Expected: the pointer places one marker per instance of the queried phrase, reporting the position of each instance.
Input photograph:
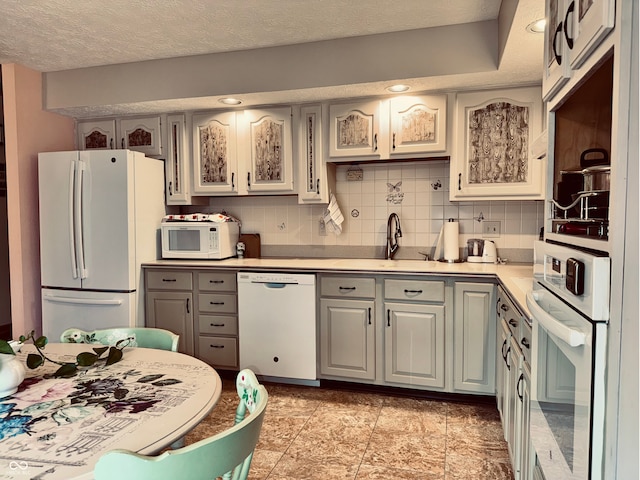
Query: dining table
(58, 428)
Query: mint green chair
(227, 454)
(138, 337)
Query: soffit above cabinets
(124, 57)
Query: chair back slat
(145, 337)
(227, 454)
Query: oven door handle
(568, 335)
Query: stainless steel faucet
(392, 239)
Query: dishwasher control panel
(266, 277)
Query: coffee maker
(481, 251)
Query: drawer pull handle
(216, 303)
(216, 346)
(169, 279)
(369, 315)
(412, 291)
(388, 317)
(525, 343)
(216, 324)
(349, 289)
(188, 307)
(216, 281)
(513, 323)
(506, 358)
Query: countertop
(516, 278)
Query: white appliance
(569, 305)
(277, 324)
(100, 215)
(199, 239)
(481, 251)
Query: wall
(28, 131)
(417, 192)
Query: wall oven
(569, 305)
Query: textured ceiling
(54, 35)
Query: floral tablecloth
(58, 428)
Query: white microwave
(207, 240)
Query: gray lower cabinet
(414, 332)
(347, 327)
(414, 342)
(217, 319)
(514, 381)
(474, 340)
(169, 304)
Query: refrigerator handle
(79, 215)
(83, 301)
(72, 243)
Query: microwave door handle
(568, 335)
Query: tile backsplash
(418, 192)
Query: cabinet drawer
(217, 303)
(168, 280)
(218, 324)
(217, 282)
(418, 290)
(218, 351)
(350, 287)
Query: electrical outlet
(490, 229)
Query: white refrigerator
(100, 214)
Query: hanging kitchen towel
(333, 217)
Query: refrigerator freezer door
(108, 220)
(62, 309)
(56, 177)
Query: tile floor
(319, 433)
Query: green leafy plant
(67, 369)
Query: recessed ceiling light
(537, 26)
(398, 88)
(230, 101)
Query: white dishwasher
(277, 324)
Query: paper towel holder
(439, 250)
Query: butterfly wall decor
(394, 193)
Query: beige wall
(28, 131)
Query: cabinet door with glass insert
(267, 147)
(215, 154)
(141, 134)
(418, 124)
